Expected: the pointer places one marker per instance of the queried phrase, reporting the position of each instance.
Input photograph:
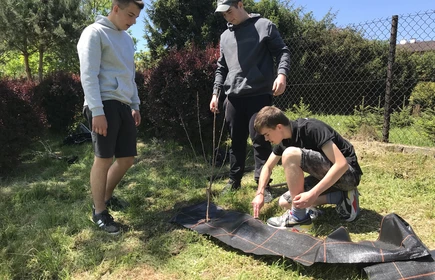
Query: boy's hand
(136, 117)
(304, 200)
(214, 104)
(279, 85)
(99, 125)
(257, 204)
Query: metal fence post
(391, 57)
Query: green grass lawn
(46, 230)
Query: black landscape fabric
(396, 248)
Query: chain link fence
(363, 79)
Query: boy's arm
(89, 51)
(220, 76)
(279, 49)
(282, 53)
(338, 168)
(221, 72)
(266, 171)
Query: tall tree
(92, 8)
(39, 26)
(58, 27)
(17, 19)
(177, 23)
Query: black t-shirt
(313, 134)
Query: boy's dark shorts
(121, 132)
(317, 165)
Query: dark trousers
(240, 114)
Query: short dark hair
(270, 117)
(124, 3)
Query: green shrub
(300, 110)
(426, 123)
(366, 118)
(423, 95)
(402, 117)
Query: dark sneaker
(116, 204)
(231, 186)
(348, 209)
(288, 221)
(105, 221)
(267, 195)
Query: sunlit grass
(46, 230)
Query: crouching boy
(311, 146)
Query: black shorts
(121, 131)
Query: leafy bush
(61, 97)
(426, 123)
(176, 94)
(20, 122)
(366, 120)
(402, 117)
(423, 95)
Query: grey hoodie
(107, 67)
(245, 66)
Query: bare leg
(98, 181)
(286, 205)
(294, 174)
(116, 171)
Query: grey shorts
(121, 131)
(317, 165)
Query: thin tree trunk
(27, 66)
(41, 63)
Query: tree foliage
(93, 8)
(176, 24)
(41, 26)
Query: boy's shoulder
(304, 121)
(310, 124)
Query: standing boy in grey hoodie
(245, 73)
(106, 53)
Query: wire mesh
(340, 75)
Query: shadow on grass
(55, 196)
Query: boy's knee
(126, 162)
(292, 154)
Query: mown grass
(46, 231)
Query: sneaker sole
(100, 228)
(301, 228)
(354, 206)
(295, 228)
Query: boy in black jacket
(246, 74)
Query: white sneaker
(288, 221)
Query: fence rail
(363, 78)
